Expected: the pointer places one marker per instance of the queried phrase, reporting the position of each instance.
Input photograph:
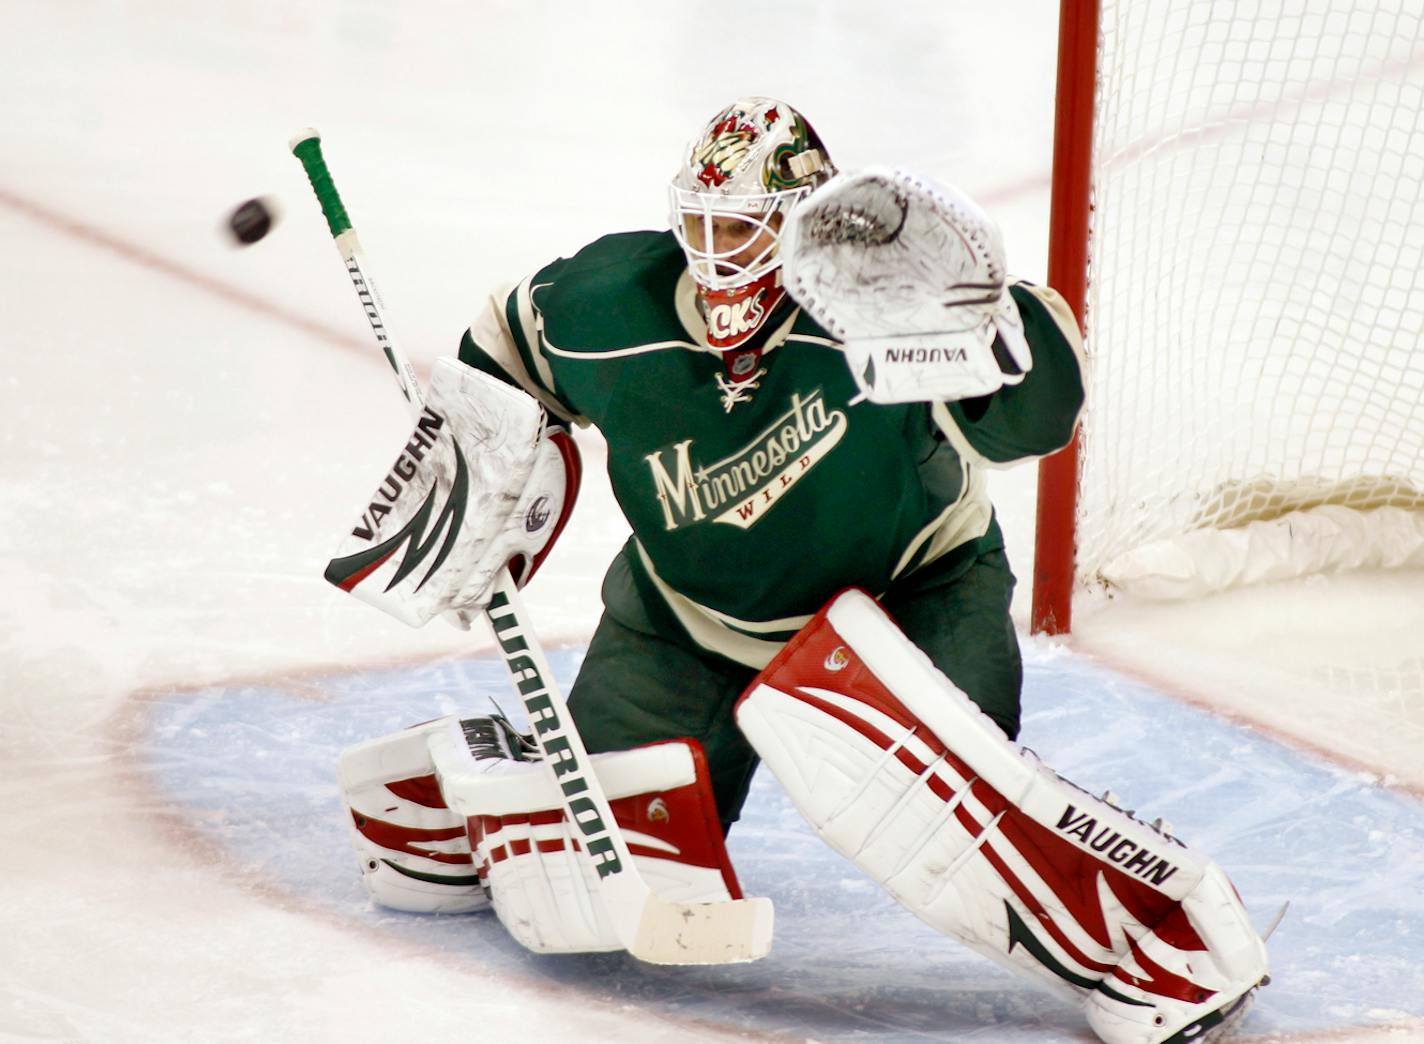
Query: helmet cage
(694, 214)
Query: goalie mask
(738, 180)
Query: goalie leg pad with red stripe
(900, 772)
(543, 887)
(454, 816)
(413, 850)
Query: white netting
(1255, 307)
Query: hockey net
(1254, 308)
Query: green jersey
(752, 503)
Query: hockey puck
(251, 221)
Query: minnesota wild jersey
(753, 501)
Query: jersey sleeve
(506, 341)
(1037, 416)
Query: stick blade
(730, 932)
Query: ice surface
(188, 426)
(249, 769)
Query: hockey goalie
(800, 384)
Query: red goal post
(1068, 274)
(1238, 223)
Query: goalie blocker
(898, 771)
(481, 483)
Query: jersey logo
(742, 364)
(739, 490)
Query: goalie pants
(643, 681)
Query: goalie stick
(651, 928)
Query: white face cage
(730, 241)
